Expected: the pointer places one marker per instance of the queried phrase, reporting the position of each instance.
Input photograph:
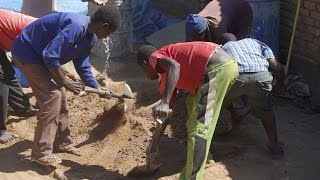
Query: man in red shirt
(207, 72)
(11, 24)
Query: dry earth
(113, 143)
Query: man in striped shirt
(255, 59)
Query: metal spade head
(126, 91)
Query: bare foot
(7, 137)
(71, 150)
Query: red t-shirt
(192, 57)
(11, 25)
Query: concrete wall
(306, 50)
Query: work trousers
(10, 91)
(203, 113)
(52, 130)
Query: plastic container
(265, 25)
(22, 79)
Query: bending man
(39, 51)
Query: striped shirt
(251, 55)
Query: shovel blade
(128, 93)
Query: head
(195, 28)
(143, 56)
(105, 21)
(226, 37)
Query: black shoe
(27, 113)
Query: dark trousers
(10, 91)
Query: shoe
(47, 160)
(27, 113)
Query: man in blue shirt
(255, 59)
(39, 51)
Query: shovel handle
(102, 92)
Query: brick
(316, 41)
(300, 43)
(304, 36)
(313, 30)
(307, 40)
(306, 52)
(309, 5)
(307, 21)
(316, 1)
(316, 23)
(314, 48)
(315, 14)
(303, 12)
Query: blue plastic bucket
(265, 25)
(22, 79)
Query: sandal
(7, 137)
(70, 150)
(47, 160)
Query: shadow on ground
(16, 159)
(106, 123)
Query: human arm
(278, 71)
(274, 66)
(68, 74)
(60, 45)
(173, 73)
(83, 68)
(60, 79)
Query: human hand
(106, 93)
(73, 86)
(162, 110)
(68, 74)
(71, 76)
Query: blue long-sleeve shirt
(56, 39)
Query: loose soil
(113, 143)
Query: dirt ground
(113, 143)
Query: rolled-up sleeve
(60, 45)
(83, 68)
(266, 51)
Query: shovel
(125, 98)
(152, 164)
